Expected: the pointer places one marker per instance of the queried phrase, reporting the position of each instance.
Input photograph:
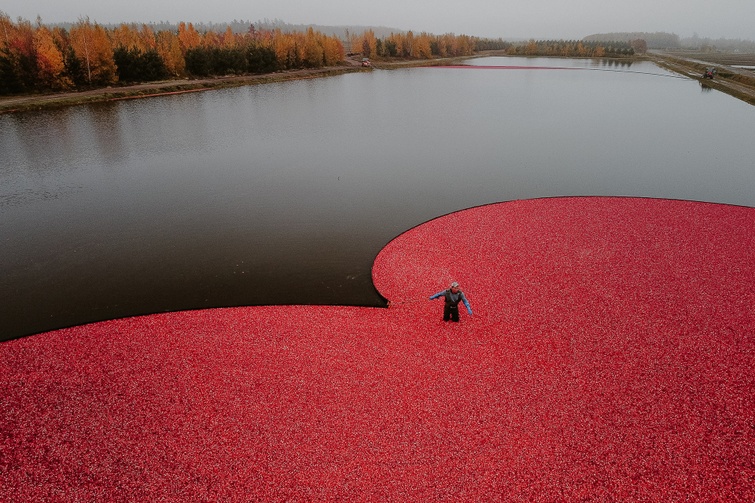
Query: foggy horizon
(514, 19)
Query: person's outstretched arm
(466, 303)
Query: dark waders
(451, 312)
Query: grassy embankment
(738, 83)
(144, 90)
(735, 82)
(732, 81)
(21, 103)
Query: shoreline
(54, 100)
(735, 82)
(23, 103)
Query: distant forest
(578, 48)
(663, 40)
(38, 58)
(35, 57)
(242, 26)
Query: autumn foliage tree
(40, 58)
(18, 59)
(168, 47)
(94, 50)
(572, 48)
(51, 68)
(188, 37)
(136, 55)
(409, 45)
(37, 57)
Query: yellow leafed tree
(210, 39)
(229, 39)
(147, 36)
(50, 62)
(313, 51)
(422, 48)
(124, 36)
(333, 51)
(188, 37)
(169, 49)
(94, 50)
(367, 44)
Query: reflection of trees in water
(705, 87)
(620, 63)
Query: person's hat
(454, 285)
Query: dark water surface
(285, 193)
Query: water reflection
(106, 132)
(284, 193)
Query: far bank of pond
(736, 82)
(9, 104)
(731, 80)
(284, 193)
(162, 88)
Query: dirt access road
(351, 64)
(737, 82)
(161, 88)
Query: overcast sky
(568, 19)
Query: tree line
(664, 40)
(577, 48)
(657, 40)
(419, 46)
(34, 57)
(39, 58)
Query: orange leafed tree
(94, 50)
(6, 28)
(125, 36)
(130, 37)
(313, 51)
(211, 39)
(366, 43)
(333, 51)
(288, 49)
(422, 48)
(148, 38)
(188, 37)
(169, 49)
(229, 39)
(408, 44)
(19, 51)
(50, 62)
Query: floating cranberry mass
(611, 357)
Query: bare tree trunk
(86, 52)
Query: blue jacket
(453, 299)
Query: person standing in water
(452, 297)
